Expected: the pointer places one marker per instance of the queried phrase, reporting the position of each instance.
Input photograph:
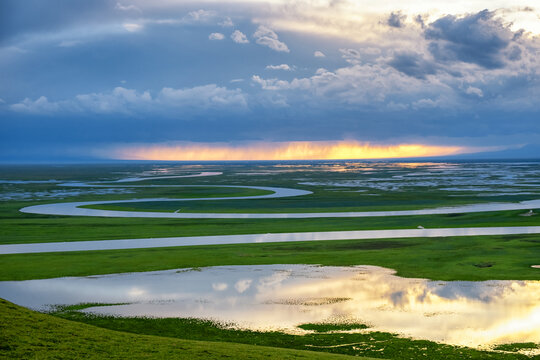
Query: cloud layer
(129, 101)
(276, 71)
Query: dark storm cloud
(478, 39)
(413, 64)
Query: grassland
(26, 334)
(451, 258)
(16, 227)
(324, 198)
(325, 339)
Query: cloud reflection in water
(270, 297)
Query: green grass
(25, 334)
(16, 227)
(451, 258)
(372, 344)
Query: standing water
(281, 297)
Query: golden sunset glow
(297, 150)
(359, 21)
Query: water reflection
(284, 296)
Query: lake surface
(281, 297)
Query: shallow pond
(280, 297)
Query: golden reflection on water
(461, 313)
(281, 297)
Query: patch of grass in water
(321, 328)
(368, 344)
(81, 306)
(311, 301)
(189, 270)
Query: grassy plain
(401, 193)
(26, 334)
(324, 198)
(385, 187)
(16, 227)
(503, 257)
(450, 258)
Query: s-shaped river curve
(74, 209)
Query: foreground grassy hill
(26, 334)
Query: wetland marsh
(283, 297)
(274, 290)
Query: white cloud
(374, 82)
(227, 22)
(239, 37)
(130, 101)
(474, 91)
(236, 80)
(279, 67)
(205, 96)
(352, 56)
(367, 84)
(39, 106)
(276, 84)
(216, 36)
(132, 27)
(319, 54)
(267, 37)
(425, 103)
(201, 15)
(127, 7)
(119, 100)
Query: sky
(250, 80)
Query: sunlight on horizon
(296, 150)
